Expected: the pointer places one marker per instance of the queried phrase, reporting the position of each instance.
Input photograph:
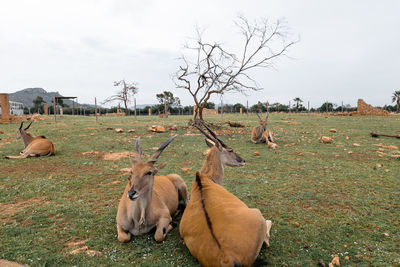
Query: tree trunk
(198, 113)
(165, 110)
(126, 108)
(195, 112)
(398, 104)
(201, 113)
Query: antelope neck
(213, 167)
(26, 138)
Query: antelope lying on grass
(34, 146)
(260, 134)
(149, 201)
(217, 227)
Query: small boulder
(325, 139)
(157, 129)
(272, 145)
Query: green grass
(321, 199)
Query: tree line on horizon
(167, 101)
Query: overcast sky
(348, 49)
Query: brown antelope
(260, 134)
(33, 146)
(217, 227)
(149, 201)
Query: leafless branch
(215, 70)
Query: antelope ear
(161, 166)
(132, 160)
(209, 142)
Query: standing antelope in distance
(260, 134)
(149, 201)
(33, 146)
(217, 227)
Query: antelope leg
(163, 228)
(267, 236)
(123, 236)
(17, 157)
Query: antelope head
(23, 132)
(142, 173)
(263, 122)
(226, 154)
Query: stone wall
(365, 109)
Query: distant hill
(26, 96)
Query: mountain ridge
(27, 95)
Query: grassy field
(323, 199)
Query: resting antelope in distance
(33, 146)
(217, 227)
(149, 201)
(260, 134)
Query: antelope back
(225, 234)
(41, 147)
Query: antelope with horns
(260, 134)
(217, 227)
(149, 201)
(33, 146)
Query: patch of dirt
(125, 170)
(292, 122)
(82, 248)
(93, 152)
(6, 263)
(108, 155)
(7, 210)
(76, 243)
(23, 167)
(116, 155)
(391, 147)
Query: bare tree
(214, 70)
(124, 95)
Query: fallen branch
(235, 124)
(375, 134)
(202, 122)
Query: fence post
(95, 108)
(135, 106)
(54, 108)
